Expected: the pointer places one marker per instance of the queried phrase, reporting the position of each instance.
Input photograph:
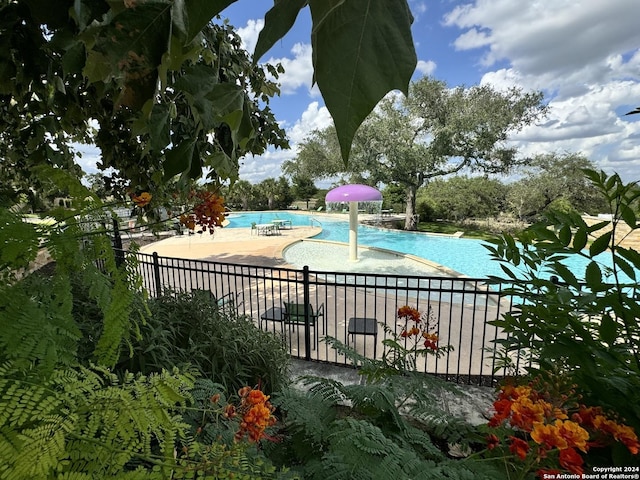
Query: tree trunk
(410, 221)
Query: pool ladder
(315, 220)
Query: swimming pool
(466, 256)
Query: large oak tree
(432, 132)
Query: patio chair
(294, 314)
(230, 302)
(227, 303)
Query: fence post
(117, 244)
(307, 301)
(156, 274)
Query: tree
(393, 197)
(550, 178)
(241, 194)
(460, 197)
(172, 93)
(303, 188)
(433, 132)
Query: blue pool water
(466, 256)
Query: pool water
(466, 256)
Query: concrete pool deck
(242, 246)
(232, 245)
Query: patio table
(266, 228)
(363, 326)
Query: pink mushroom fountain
(353, 194)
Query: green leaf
(159, 127)
(579, 239)
(200, 12)
(97, 67)
(600, 244)
(221, 164)
(353, 43)
(74, 59)
(564, 235)
(225, 99)
(628, 216)
(565, 274)
(631, 255)
(625, 267)
(593, 276)
(198, 81)
(277, 22)
(178, 159)
(597, 226)
(608, 330)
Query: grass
(450, 228)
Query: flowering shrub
(418, 337)
(544, 426)
(208, 211)
(254, 412)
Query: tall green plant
(581, 324)
(189, 329)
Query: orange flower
(574, 434)
(518, 447)
(571, 460)
(257, 414)
(409, 313)
(503, 410)
(142, 200)
(524, 413)
(622, 433)
(549, 436)
(256, 396)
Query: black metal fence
(359, 309)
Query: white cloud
(426, 67)
(583, 54)
(249, 34)
(298, 71)
(269, 165)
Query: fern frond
(306, 413)
(37, 329)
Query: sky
(583, 54)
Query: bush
(189, 329)
(580, 327)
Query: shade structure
(353, 194)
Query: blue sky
(583, 54)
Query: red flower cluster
(257, 414)
(544, 426)
(421, 330)
(208, 212)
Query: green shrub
(189, 329)
(580, 325)
(390, 425)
